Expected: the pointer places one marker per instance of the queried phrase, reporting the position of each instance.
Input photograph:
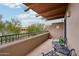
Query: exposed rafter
(55, 16)
(49, 10)
(55, 11)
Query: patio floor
(45, 47)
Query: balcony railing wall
(23, 46)
(10, 38)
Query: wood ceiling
(49, 10)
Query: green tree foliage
(13, 26)
(2, 26)
(35, 28)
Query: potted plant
(61, 41)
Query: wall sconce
(68, 13)
(57, 27)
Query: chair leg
(72, 52)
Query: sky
(16, 11)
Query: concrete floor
(45, 47)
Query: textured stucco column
(72, 16)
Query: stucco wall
(73, 26)
(56, 33)
(24, 46)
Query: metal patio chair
(59, 51)
(63, 50)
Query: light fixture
(57, 27)
(68, 13)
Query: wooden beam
(55, 11)
(44, 7)
(56, 16)
(26, 9)
(27, 4)
(49, 10)
(30, 5)
(53, 7)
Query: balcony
(28, 44)
(23, 46)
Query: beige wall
(73, 26)
(56, 33)
(22, 47)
